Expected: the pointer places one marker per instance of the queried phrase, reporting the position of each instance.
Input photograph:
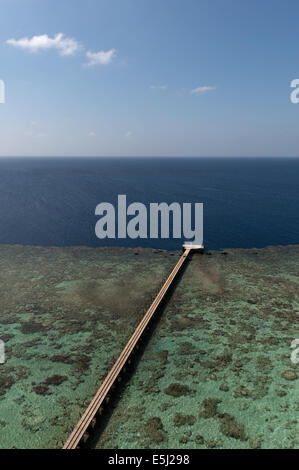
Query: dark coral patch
(178, 390)
(181, 420)
(6, 381)
(32, 327)
(41, 389)
(154, 430)
(231, 428)
(209, 407)
(55, 380)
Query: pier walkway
(95, 407)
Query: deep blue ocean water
(248, 202)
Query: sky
(149, 77)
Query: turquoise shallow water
(217, 371)
(215, 374)
(65, 314)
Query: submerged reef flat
(217, 371)
(65, 315)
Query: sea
(248, 202)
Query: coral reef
(228, 329)
(66, 314)
(216, 372)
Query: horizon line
(149, 156)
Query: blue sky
(149, 77)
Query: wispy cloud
(35, 131)
(92, 134)
(35, 134)
(100, 58)
(66, 46)
(128, 134)
(201, 90)
(159, 87)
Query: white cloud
(65, 46)
(100, 58)
(159, 87)
(92, 134)
(128, 134)
(201, 89)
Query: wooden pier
(97, 402)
